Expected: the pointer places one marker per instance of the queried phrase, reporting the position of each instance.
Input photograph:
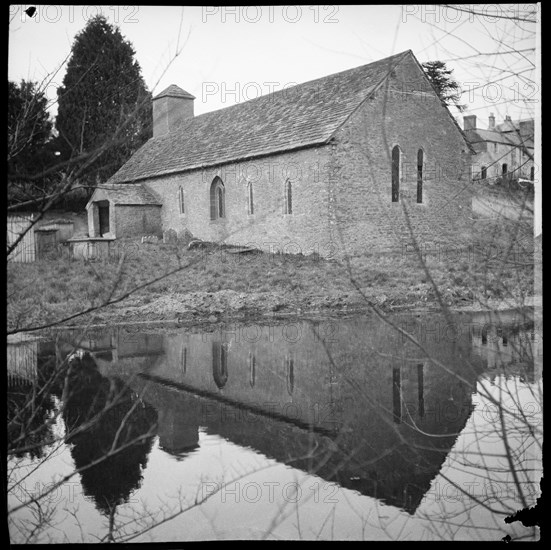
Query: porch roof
(124, 194)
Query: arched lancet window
(288, 197)
(181, 200)
(183, 360)
(420, 161)
(397, 395)
(250, 198)
(252, 370)
(504, 169)
(420, 390)
(395, 173)
(219, 364)
(484, 336)
(217, 199)
(483, 173)
(290, 374)
(532, 174)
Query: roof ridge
(290, 88)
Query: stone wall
(136, 220)
(269, 227)
(407, 113)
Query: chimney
(469, 122)
(526, 128)
(171, 108)
(491, 122)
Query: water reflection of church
(355, 403)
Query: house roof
(127, 194)
(515, 125)
(299, 116)
(507, 138)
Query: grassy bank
(214, 283)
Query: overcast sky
(230, 55)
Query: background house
(505, 150)
(366, 159)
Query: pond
(412, 427)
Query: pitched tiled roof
(131, 193)
(299, 116)
(507, 138)
(515, 125)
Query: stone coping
(84, 239)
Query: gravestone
(170, 236)
(150, 239)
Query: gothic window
(220, 364)
(288, 197)
(217, 199)
(420, 161)
(290, 374)
(250, 198)
(395, 173)
(181, 200)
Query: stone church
(364, 160)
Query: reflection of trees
(438, 439)
(106, 421)
(31, 409)
(29, 428)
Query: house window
(420, 176)
(532, 174)
(217, 199)
(483, 173)
(504, 169)
(250, 197)
(395, 173)
(288, 197)
(181, 200)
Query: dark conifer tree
(104, 111)
(446, 86)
